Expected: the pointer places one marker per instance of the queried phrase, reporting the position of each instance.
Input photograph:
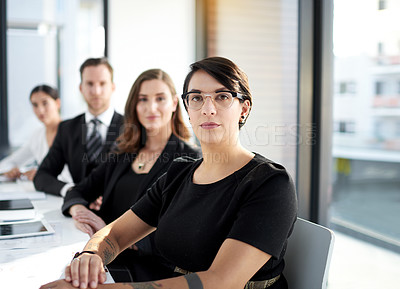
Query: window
(366, 140)
(380, 48)
(348, 87)
(344, 127)
(60, 34)
(381, 4)
(397, 129)
(379, 88)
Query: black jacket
(69, 147)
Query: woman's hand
(84, 227)
(96, 205)
(58, 284)
(86, 266)
(85, 220)
(79, 271)
(30, 174)
(13, 173)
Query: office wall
(150, 34)
(262, 38)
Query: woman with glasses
(23, 162)
(222, 221)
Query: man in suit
(82, 142)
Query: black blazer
(69, 147)
(102, 180)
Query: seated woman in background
(154, 134)
(222, 221)
(24, 161)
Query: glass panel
(47, 40)
(366, 136)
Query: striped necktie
(94, 143)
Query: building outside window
(379, 88)
(366, 151)
(344, 127)
(347, 87)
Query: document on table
(20, 190)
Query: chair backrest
(308, 256)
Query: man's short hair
(95, 62)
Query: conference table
(32, 261)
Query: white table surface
(30, 262)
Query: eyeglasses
(221, 99)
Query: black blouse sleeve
(267, 214)
(88, 190)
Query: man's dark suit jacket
(69, 147)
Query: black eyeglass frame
(234, 94)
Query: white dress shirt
(105, 121)
(30, 155)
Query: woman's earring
(242, 118)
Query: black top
(257, 205)
(123, 194)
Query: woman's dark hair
(133, 137)
(50, 91)
(225, 72)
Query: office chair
(308, 256)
